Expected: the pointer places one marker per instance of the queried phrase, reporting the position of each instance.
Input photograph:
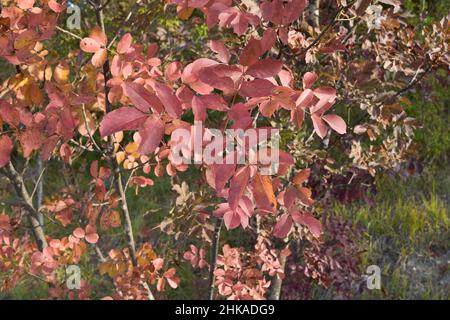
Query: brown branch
(27, 202)
(118, 182)
(327, 28)
(277, 282)
(213, 261)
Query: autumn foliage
(104, 116)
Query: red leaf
(48, 146)
(151, 134)
(6, 147)
(283, 226)
(265, 68)
(141, 98)
(169, 100)
(309, 221)
(257, 88)
(336, 123)
(268, 40)
(289, 197)
(251, 53)
(218, 175)
(222, 52)
(30, 140)
(199, 109)
(122, 119)
(237, 187)
(191, 75)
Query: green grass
(407, 236)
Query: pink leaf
(173, 71)
(191, 75)
(336, 123)
(79, 233)
(121, 119)
(169, 100)
(199, 109)
(309, 221)
(214, 102)
(232, 220)
(319, 126)
(257, 88)
(305, 98)
(222, 52)
(92, 238)
(268, 40)
(266, 68)
(308, 79)
(56, 7)
(91, 235)
(141, 98)
(151, 135)
(124, 44)
(237, 187)
(173, 282)
(25, 4)
(283, 226)
(90, 45)
(325, 93)
(99, 58)
(251, 53)
(98, 35)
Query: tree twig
(213, 261)
(22, 192)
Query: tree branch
(213, 261)
(327, 28)
(118, 182)
(27, 202)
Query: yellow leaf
(120, 157)
(185, 13)
(132, 148)
(62, 72)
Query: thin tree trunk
(27, 202)
(314, 13)
(123, 198)
(277, 283)
(40, 190)
(214, 252)
(116, 168)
